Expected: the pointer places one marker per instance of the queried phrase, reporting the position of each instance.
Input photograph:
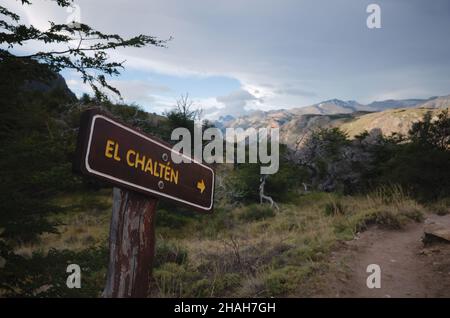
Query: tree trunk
(131, 244)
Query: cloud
(139, 91)
(293, 91)
(241, 97)
(293, 54)
(237, 102)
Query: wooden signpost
(142, 170)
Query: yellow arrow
(201, 186)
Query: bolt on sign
(119, 154)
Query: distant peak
(339, 102)
(226, 117)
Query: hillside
(389, 116)
(388, 121)
(438, 102)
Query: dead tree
(305, 186)
(263, 197)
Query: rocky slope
(389, 116)
(388, 121)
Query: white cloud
(139, 91)
(286, 55)
(238, 102)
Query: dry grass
(246, 251)
(278, 255)
(84, 224)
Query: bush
(220, 221)
(167, 252)
(256, 212)
(391, 217)
(334, 208)
(169, 280)
(441, 207)
(286, 280)
(220, 285)
(44, 275)
(170, 219)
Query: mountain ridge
(338, 106)
(388, 116)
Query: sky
(235, 56)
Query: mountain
(389, 116)
(392, 103)
(224, 121)
(226, 118)
(296, 129)
(279, 117)
(56, 82)
(332, 106)
(292, 126)
(388, 121)
(437, 102)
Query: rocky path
(408, 268)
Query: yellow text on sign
(134, 159)
(112, 150)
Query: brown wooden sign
(114, 152)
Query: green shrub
(390, 217)
(411, 213)
(222, 284)
(170, 219)
(335, 208)
(89, 203)
(441, 207)
(387, 218)
(44, 275)
(168, 280)
(202, 288)
(168, 252)
(220, 221)
(286, 280)
(256, 212)
(225, 284)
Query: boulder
(436, 233)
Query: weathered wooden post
(131, 244)
(143, 169)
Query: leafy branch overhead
(75, 46)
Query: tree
(39, 119)
(85, 49)
(337, 163)
(421, 165)
(184, 114)
(38, 126)
(433, 133)
(321, 154)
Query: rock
(436, 233)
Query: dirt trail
(408, 269)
